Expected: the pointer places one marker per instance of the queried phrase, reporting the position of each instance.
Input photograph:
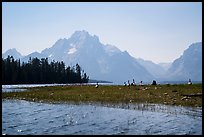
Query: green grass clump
(160, 94)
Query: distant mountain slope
(33, 55)
(165, 66)
(12, 52)
(156, 70)
(188, 65)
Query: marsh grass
(160, 94)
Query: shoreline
(175, 95)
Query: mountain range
(107, 62)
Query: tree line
(40, 71)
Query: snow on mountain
(104, 62)
(107, 62)
(72, 50)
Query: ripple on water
(22, 117)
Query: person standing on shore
(96, 85)
(128, 83)
(141, 84)
(189, 82)
(154, 82)
(133, 82)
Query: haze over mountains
(107, 62)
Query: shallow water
(21, 87)
(23, 117)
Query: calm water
(21, 87)
(23, 117)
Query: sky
(156, 31)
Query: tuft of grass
(160, 94)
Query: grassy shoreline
(182, 94)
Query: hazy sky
(150, 30)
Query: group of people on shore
(128, 83)
(140, 84)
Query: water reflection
(12, 89)
(21, 87)
(23, 117)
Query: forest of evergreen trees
(37, 71)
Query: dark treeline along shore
(37, 71)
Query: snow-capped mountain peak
(107, 62)
(100, 61)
